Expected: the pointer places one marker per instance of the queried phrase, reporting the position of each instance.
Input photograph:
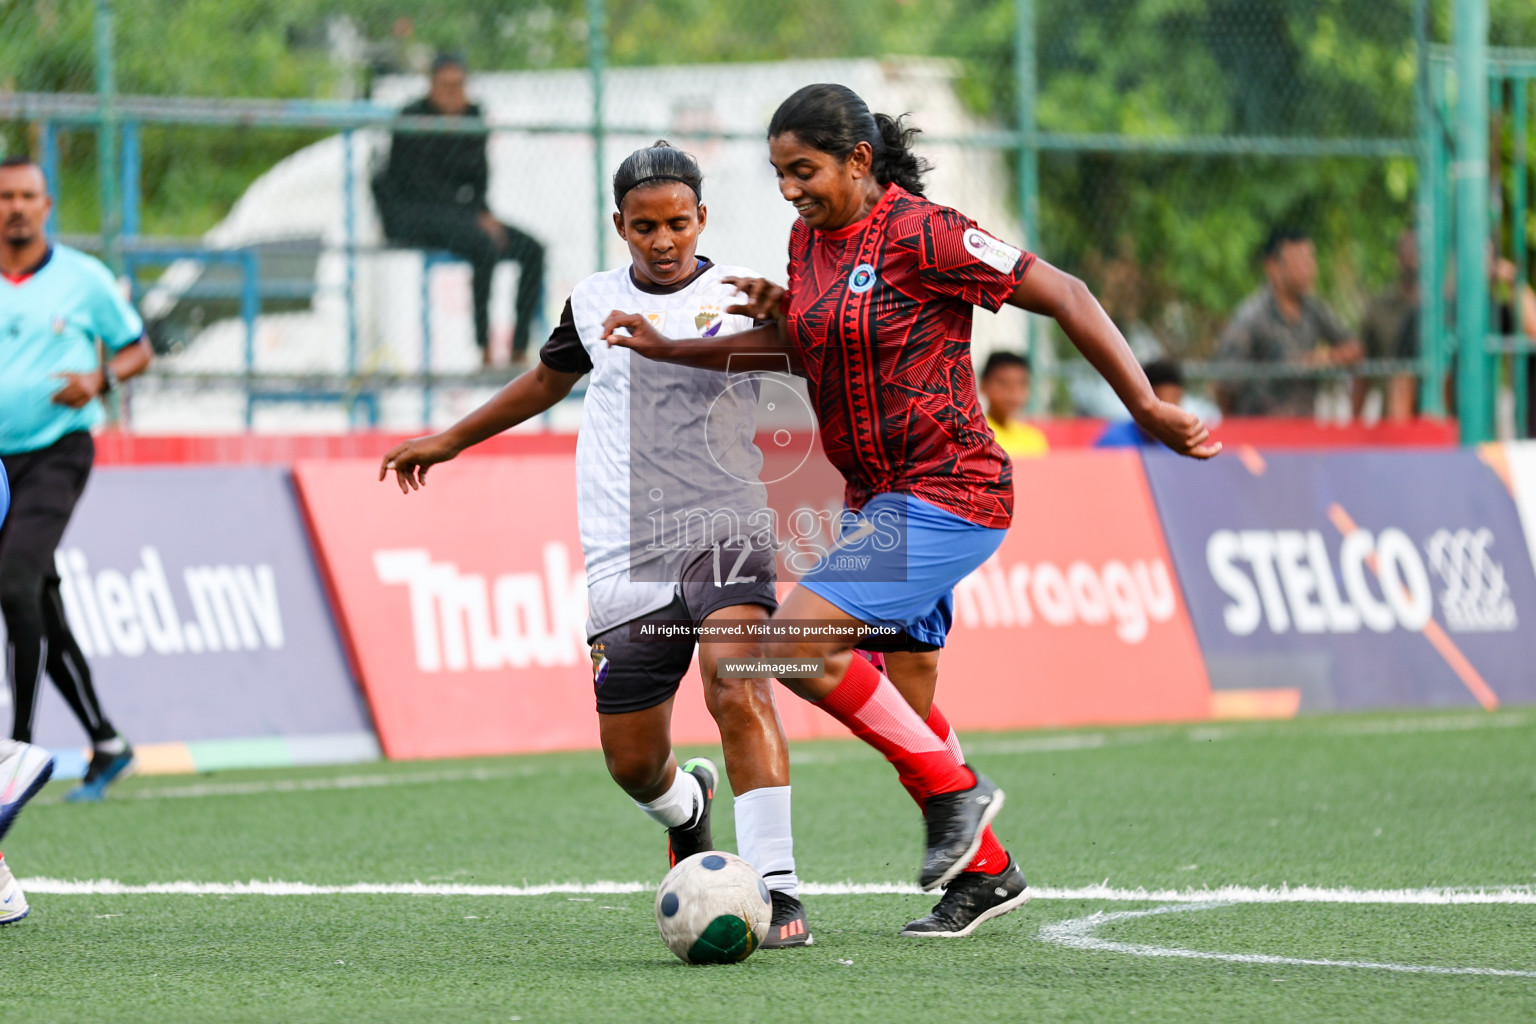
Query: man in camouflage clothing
(1283, 323)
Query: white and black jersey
(665, 461)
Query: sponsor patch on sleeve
(998, 255)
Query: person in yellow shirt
(1004, 389)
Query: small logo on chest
(862, 279)
(708, 321)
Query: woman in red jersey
(877, 316)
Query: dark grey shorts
(631, 673)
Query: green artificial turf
(1401, 801)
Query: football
(713, 908)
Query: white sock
(678, 805)
(114, 746)
(764, 837)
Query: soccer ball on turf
(712, 908)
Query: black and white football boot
(683, 841)
(955, 823)
(970, 899)
(788, 926)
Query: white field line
(1194, 897)
(1380, 727)
(359, 781)
(1078, 934)
(1022, 745)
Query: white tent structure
(367, 310)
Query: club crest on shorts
(862, 279)
(708, 321)
(599, 664)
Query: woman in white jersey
(672, 526)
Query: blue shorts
(909, 581)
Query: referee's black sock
(26, 653)
(70, 671)
(23, 694)
(39, 640)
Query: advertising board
(193, 595)
(1355, 579)
(464, 604)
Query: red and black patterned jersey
(879, 313)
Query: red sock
(990, 856)
(875, 658)
(875, 711)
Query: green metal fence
(1477, 290)
(1512, 79)
(1146, 146)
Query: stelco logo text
(1291, 579)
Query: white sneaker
(13, 904)
(24, 768)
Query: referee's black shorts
(633, 673)
(45, 485)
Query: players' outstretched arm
(762, 348)
(1053, 293)
(524, 398)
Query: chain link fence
(221, 154)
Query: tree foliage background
(1168, 239)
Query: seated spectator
(432, 195)
(1386, 319)
(1004, 394)
(1282, 324)
(1167, 380)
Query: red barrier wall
(1302, 433)
(1079, 618)
(1281, 433)
(464, 608)
(114, 448)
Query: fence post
(1431, 312)
(1474, 398)
(1444, 243)
(132, 178)
(1518, 202)
(48, 159)
(106, 155)
(1029, 179)
(250, 309)
(349, 230)
(597, 59)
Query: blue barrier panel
(1358, 579)
(195, 597)
(1521, 456)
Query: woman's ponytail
(894, 159)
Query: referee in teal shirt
(56, 306)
